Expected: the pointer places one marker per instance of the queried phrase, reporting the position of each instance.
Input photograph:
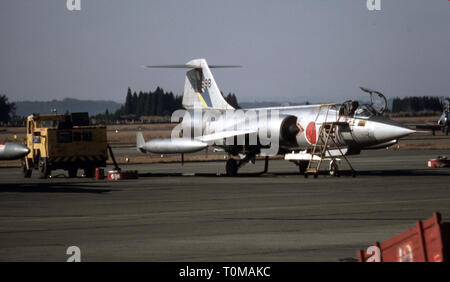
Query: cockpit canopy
(365, 111)
(377, 106)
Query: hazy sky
(290, 50)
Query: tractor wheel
(44, 170)
(25, 171)
(89, 172)
(72, 172)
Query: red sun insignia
(311, 133)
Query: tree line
(156, 103)
(152, 103)
(416, 104)
(137, 104)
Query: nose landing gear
(333, 168)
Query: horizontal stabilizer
(189, 66)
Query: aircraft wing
(224, 134)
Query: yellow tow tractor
(64, 141)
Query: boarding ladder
(321, 148)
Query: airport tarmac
(193, 213)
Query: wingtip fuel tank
(169, 146)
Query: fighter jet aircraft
(301, 133)
(12, 151)
(442, 124)
(444, 120)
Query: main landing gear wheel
(44, 171)
(231, 167)
(302, 166)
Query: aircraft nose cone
(384, 131)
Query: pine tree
(128, 107)
(134, 103)
(232, 100)
(7, 109)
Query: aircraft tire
(72, 172)
(302, 166)
(44, 171)
(26, 172)
(231, 167)
(89, 172)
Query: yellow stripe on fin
(202, 100)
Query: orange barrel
(99, 173)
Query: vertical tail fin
(200, 88)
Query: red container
(114, 175)
(117, 175)
(439, 162)
(428, 241)
(99, 173)
(433, 163)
